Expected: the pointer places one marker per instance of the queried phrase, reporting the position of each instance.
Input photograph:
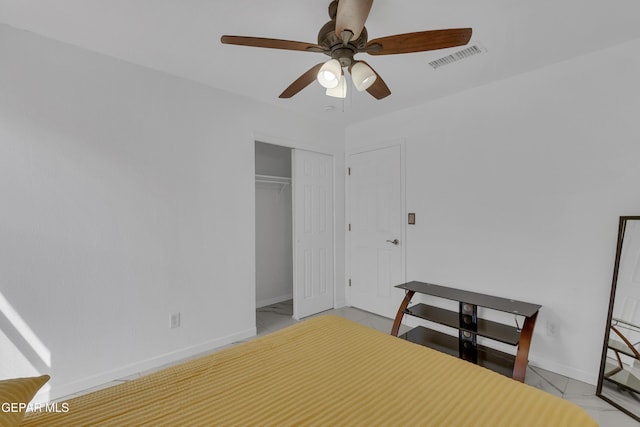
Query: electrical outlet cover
(175, 320)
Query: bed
(326, 371)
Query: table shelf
(488, 357)
(486, 328)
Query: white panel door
(313, 233)
(376, 236)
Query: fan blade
(419, 42)
(303, 81)
(271, 43)
(379, 88)
(351, 16)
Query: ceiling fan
(345, 36)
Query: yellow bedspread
(326, 371)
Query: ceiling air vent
(456, 56)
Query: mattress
(326, 371)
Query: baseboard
(57, 392)
(274, 300)
(567, 371)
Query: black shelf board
(486, 328)
(489, 358)
(496, 303)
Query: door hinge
(349, 282)
(349, 227)
(349, 171)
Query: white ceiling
(182, 37)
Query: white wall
(518, 186)
(273, 160)
(274, 244)
(126, 195)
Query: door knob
(394, 241)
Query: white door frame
(292, 144)
(403, 201)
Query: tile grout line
(548, 381)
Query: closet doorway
(274, 228)
(294, 230)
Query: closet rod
(273, 179)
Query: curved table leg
(522, 356)
(403, 306)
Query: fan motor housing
(334, 46)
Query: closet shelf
(269, 179)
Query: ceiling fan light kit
(329, 74)
(345, 36)
(340, 91)
(362, 75)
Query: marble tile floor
(277, 316)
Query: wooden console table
(469, 327)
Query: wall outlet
(175, 320)
(551, 329)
